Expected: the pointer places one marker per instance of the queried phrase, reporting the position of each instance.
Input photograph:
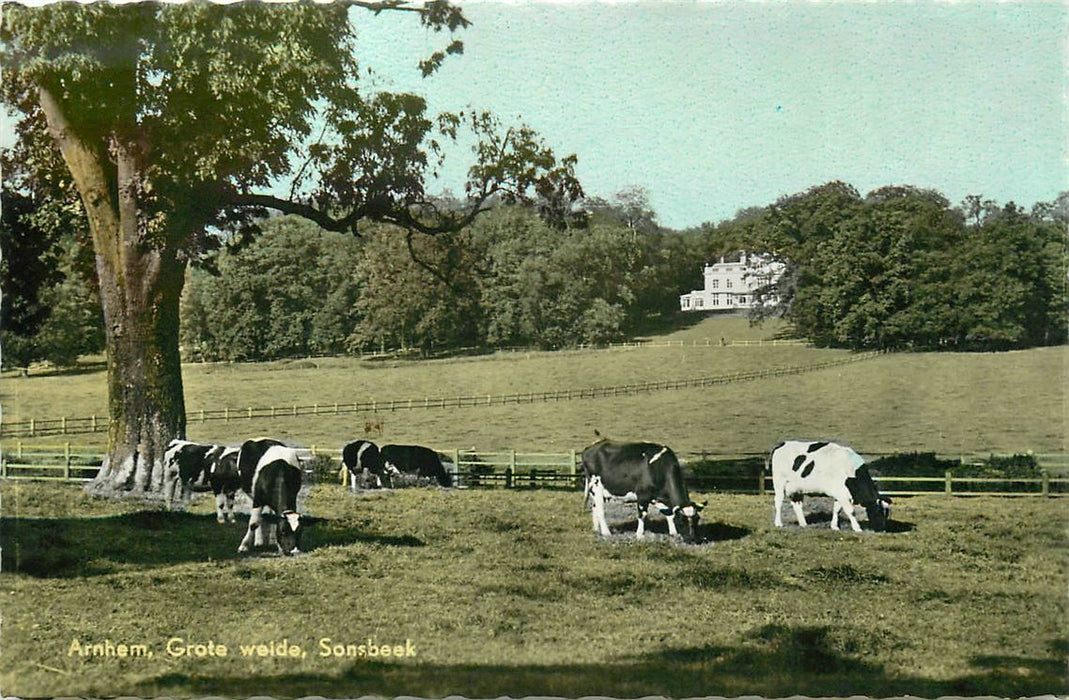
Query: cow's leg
(671, 518)
(220, 501)
(230, 505)
(848, 509)
(796, 503)
(252, 532)
(778, 514)
(641, 531)
(598, 511)
(267, 534)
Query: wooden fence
(43, 427)
(512, 469)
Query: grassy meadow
(510, 593)
(948, 402)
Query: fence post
(508, 478)
(93, 422)
(761, 482)
(226, 415)
(18, 449)
(1046, 483)
(31, 428)
(947, 489)
(63, 425)
(66, 461)
(202, 415)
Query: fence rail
(93, 424)
(512, 469)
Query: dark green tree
(173, 120)
(417, 292)
(291, 292)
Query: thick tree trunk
(140, 285)
(146, 407)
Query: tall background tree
(902, 268)
(174, 121)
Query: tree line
(898, 268)
(508, 279)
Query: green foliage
(417, 292)
(50, 310)
(900, 268)
(291, 292)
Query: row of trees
(902, 268)
(509, 279)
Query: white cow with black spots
(273, 485)
(802, 467)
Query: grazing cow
(249, 456)
(414, 459)
(225, 480)
(647, 471)
(275, 483)
(188, 466)
(360, 455)
(830, 469)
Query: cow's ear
(886, 499)
(269, 517)
(701, 506)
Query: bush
(913, 464)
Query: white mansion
(730, 285)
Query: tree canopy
(173, 122)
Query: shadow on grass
(776, 660)
(657, 529)
(74, 547)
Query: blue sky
(715, 106)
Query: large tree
(175, 121)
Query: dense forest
(897, 268)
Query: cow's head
(686, 518)
(288, 532)
(879, 512)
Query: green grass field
(510, 593)
(949, 403)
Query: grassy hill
(946, 402)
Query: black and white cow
(225, 480)
(187, 467)
(360, 455)
(414, 459)
(249, 456)
(645, 470)
(802, 467)
(275, 482)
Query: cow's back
(638, 467)
(416, 459)
(249, 456)
(801, 464)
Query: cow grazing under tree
(414, 459)
(249, 456)
(802, 467)
(361, 455)
(188, 466)
(225, 480)
(646, 470)
(275, 482)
